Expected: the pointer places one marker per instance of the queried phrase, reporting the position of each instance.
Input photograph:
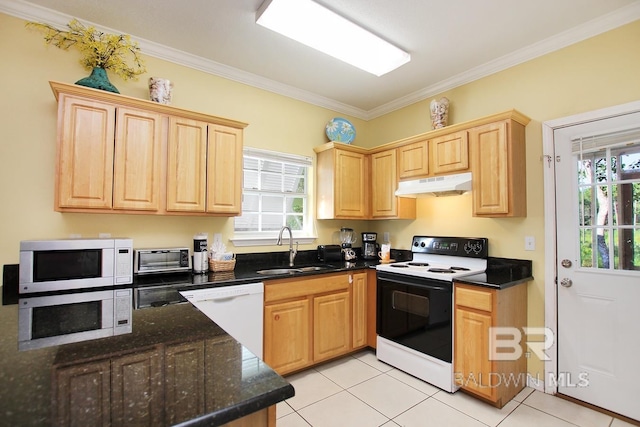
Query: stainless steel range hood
(447, 185)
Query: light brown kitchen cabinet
(204, 168)
(450, 153)
(359, 292)
(477, 310)
(287, 335)
(342, 182)
(309, 320)
(384, 182)
(499, 169)
(187, 165)
(118, 154)
(413, 160)
(224, 170)
(109, 157)
(331, 325)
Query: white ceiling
(451, 42)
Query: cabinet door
(138, 149)
(287, 335)
(384, 202)
(499, 170)
(224, 170)
(186, 165)
(331, 325)
(136, 389)
(85, 154)
(472, 367)
(359, 309)
(81, 395)
(184, 382)
(413, 160)
(450, 152)
(351, 175)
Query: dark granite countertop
(233, 381)
(501, 273)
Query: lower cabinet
(493, 376)
(287, 335)
(309, 320)
(331, 320)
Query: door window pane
(609, 207)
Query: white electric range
(415, 305)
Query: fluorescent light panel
(316, 26)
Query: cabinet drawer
(474, 298)
(277, 290)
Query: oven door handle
(396, 279)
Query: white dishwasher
(237, 309)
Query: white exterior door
(598, 262)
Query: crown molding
(31, 12)
(577, 34)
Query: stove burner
(441, 270)
(459, 268)
(399, 265)
(418, 264)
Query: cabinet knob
(276, 317)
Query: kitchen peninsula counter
(171, 349)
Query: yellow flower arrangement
(99, 50)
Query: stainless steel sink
(290, 270)
(274, 271)
(314, 268)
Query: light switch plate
(529, 243)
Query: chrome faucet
(292, 252)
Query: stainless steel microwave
(49, 320)
(70, 264)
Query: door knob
(566, 283)
(566, 263)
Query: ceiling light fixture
(316, 26)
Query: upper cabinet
(499, 169)
(204, 168)
(384, 182)
(342, 182)
(413, 160)
(492, 148)
(450, 152)
(118, 154)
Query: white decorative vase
(439, 113)
(160, 90)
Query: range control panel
(472, 247)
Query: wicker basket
(218, 265)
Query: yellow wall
(596, 73)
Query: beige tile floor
(360, 391)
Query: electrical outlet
(104, 235)
(529, 243)
(75, 236)
(385, 237)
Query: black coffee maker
(369, 246)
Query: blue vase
(98, 80)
